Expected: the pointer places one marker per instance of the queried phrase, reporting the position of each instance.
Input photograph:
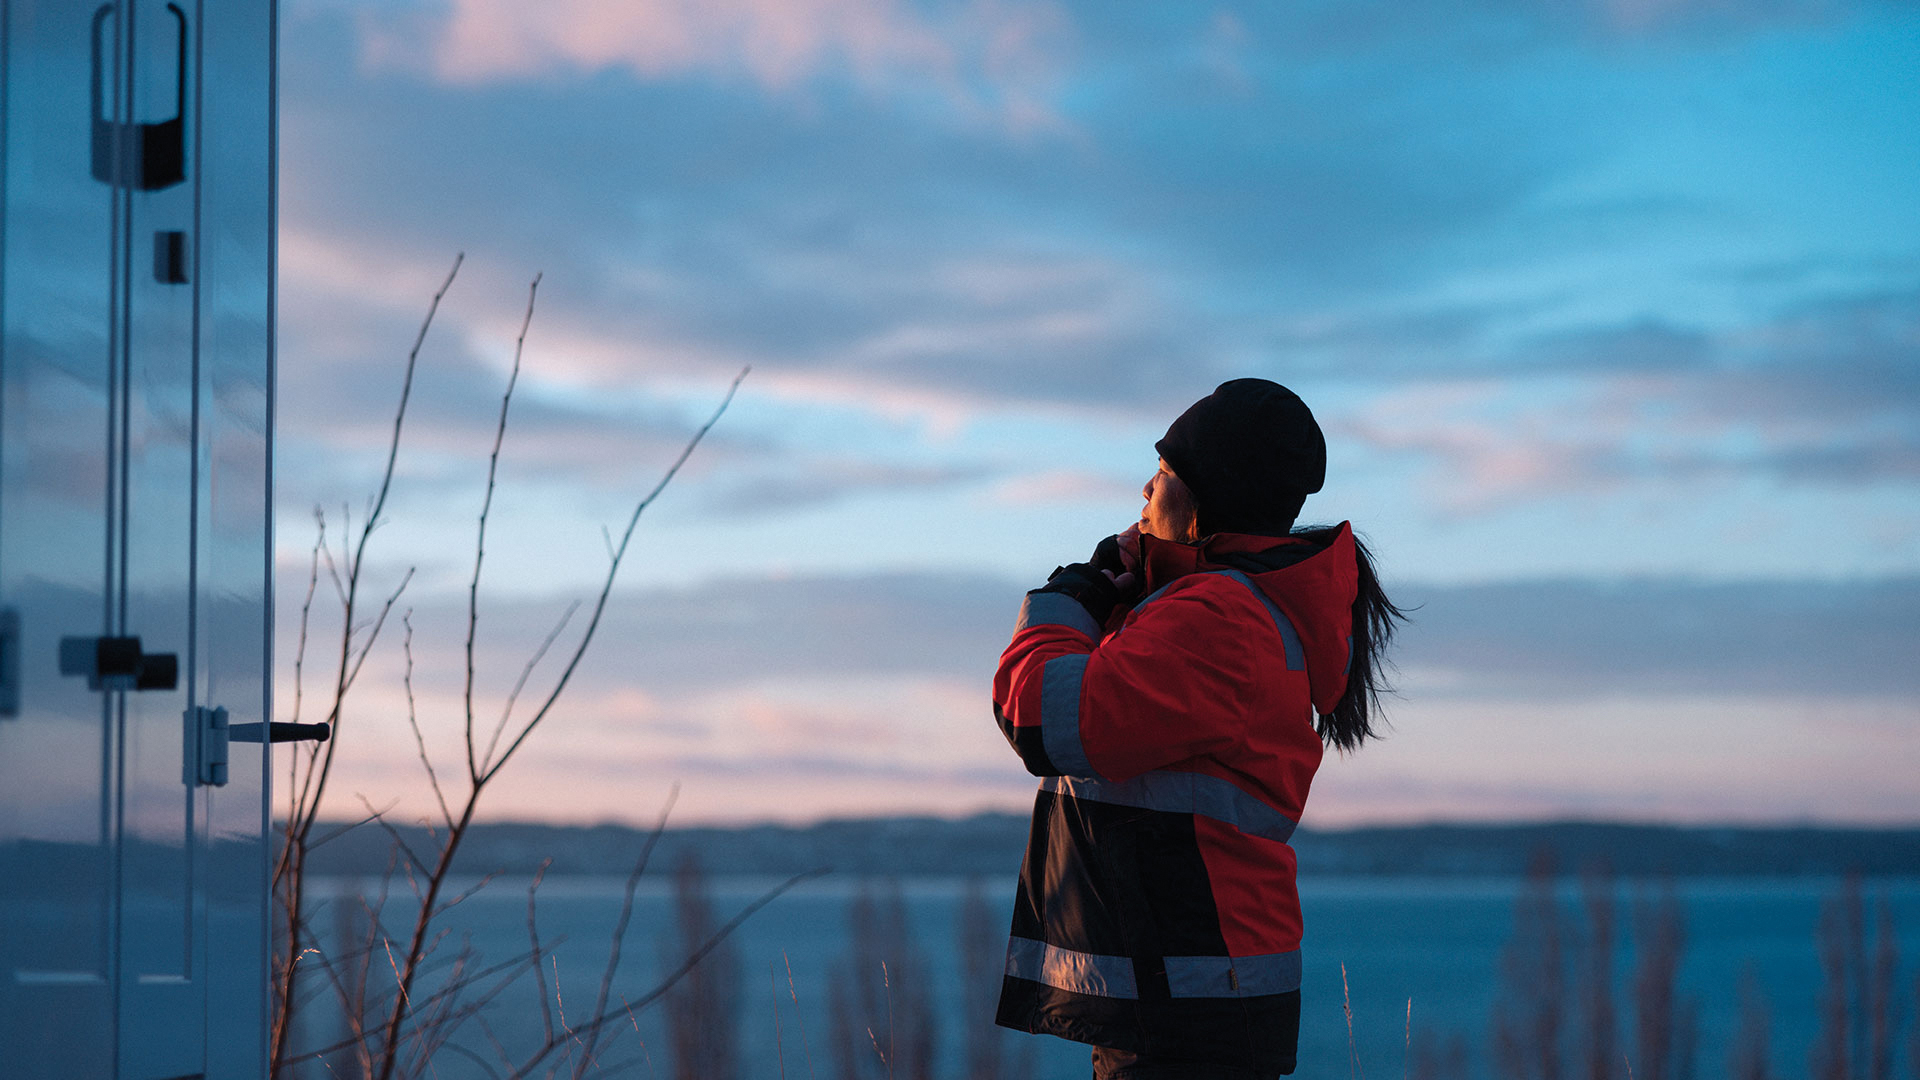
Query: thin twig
(606, 589)
(399, 842)
(326, 555)
(336, 833)
(378, 622)
(520, 684)
(614, 947)
(457, 832)
(473, 1057)
(413, 719)
(480, 536)
(484, 881)
(533, 937)
(342, 679)
(667, 983)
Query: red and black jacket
(1157, 910)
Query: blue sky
(1610, 309)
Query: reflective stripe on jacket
(1157, 910)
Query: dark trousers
(1111, 1064)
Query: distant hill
(992, 844)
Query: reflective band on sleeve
(1233, 976)
(1296, 653)
(1181, 793)
(1065, 969)
(1060, 714)
(1056, 609)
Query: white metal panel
(57, 325)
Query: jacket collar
(1167, 560)
(1316, 593)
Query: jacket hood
(1314, 582)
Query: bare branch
(413, 719)
(373, 636)
(335, 834)
(326, 556)
(499, 1050)
(533, 938)
(455, 902)
(299, 685)
(473, 1057)
(666, 984)
(521, 683)
(620, 925)
(399, 842)
(343, 678)
(606, 589)
(400, 414)
(486, 505)
(306, 613)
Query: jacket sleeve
(1175, 681)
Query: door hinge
(204, 756)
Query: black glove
(1084, 582)
(1106, 556)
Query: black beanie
(1251, 453)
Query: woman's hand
(1118, 557)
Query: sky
(1610, 310)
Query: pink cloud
(778, 44)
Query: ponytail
(1356, 718)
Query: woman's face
(1170, 512)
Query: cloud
(1823, 395)
(981, 57)
(826, 482)
(1054, 487)
(791, 698)
(1573, 639)
(1560, 638)
(857, 252)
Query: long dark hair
(1355, 719)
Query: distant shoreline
(993, 843)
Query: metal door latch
(203, 758)
(116, 663)
(280, 732)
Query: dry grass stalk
(1750, 1057)
(1530, 1015)
(1353, 1048)
(1600, 1031)
(983, 943)
(1859, 1017)
(1665, 1021)
(1883, 1017)
(1444, 1059)
(881, 998)
(794, 994)
(703, 1011)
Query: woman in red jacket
(1176, 692)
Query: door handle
(279, 732)
(117, 663)
(142, 156)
